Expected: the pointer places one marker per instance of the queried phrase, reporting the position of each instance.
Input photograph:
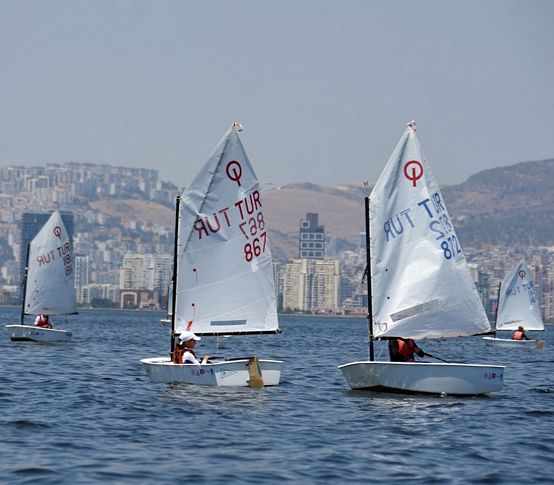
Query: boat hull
(424, 377)
(231, 373)
(31, 333)
(514, 344)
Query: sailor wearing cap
(184, 351)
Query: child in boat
(43, 321)
(519, 334)
(402, 350)
(184, 350)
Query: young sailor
(184, 351)
(43, 321)
(519, 334)
(402, 350)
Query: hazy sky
(323, 88)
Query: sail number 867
(255, 248)
(253, 230)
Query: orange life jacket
(406, 348)
(517, 335)
(178, 356)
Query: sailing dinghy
(518, 305)
(167, 319)
(49, 287)
(419, 285)
(223, 271)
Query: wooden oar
(539, 344)
(256, 379)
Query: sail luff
(422, 287)
(174, 276)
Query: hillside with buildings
(122, 226)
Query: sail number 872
(450, 247)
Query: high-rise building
(146, 272)
(311, 285)
(82, 265)
(312, 238)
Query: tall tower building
(312, 238)
(81, 277)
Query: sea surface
(86, 412)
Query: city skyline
(316, 85)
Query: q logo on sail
(522, 273)
(413, 170)
(58, 232)
(234, 171)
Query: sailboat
(167, 319)
(49, 287)
(419, 285)
(518, 305)
(223, 271)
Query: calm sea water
(85, 412)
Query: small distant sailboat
(49, 283)
(223, 271)
(167, 319)
(419, 285)
(518, 306)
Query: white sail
(518, 304)
(50, 279)
(421, 285)
(225, 279)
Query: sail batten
(421, 285)
(225, 270)
(518, 304)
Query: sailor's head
(520, 329)
(188, 337)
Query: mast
(174, 276)
(368, 269)
(25, 283)
(497, 305)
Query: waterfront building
(311, 285)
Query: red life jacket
(43, 322)
(517, 335)
(406, 348)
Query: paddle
(256, 379)
(538, 344)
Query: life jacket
(43, 322)
(178, 355)
(406, 348)
(517, 335)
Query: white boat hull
(31, 333)
(223, 373)
(514, 344)
(165, 321)
(424, 377)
